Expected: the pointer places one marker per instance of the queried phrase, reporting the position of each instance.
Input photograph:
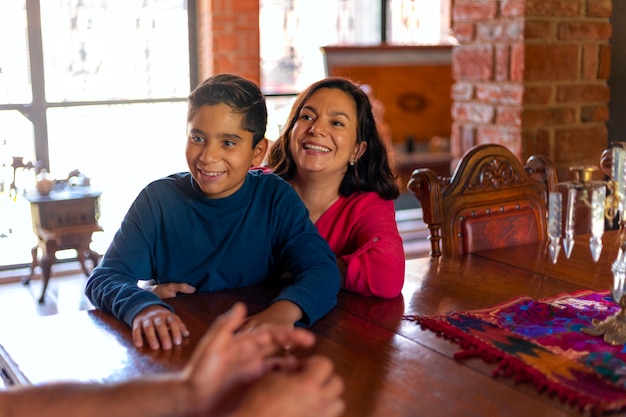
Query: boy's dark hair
(242, 96)
(372, 171)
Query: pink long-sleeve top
(362, 231)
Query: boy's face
(219, 151)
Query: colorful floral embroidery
(540, 341)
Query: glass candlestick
(613, 328)
(568, 241)
(554, 224)
(598, 196)
(584, 212)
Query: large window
(109, 80)
(293, 32)
(101, 86)
(114, 50)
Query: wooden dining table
(390, 366)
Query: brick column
(532, 75)
(228, 38)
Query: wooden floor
(65, 293)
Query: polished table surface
(578, 269)
(391, 367)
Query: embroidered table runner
(540, 341)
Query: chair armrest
(425, 186)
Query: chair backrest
(491, 201)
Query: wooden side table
(62, 220)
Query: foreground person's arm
(311, 391)
(222, 361)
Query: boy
(218, 226)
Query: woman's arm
(364, 236)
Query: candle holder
(594, 202)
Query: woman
(333, 156)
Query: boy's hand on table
(171, 289)
(281, 313)
(160, 327)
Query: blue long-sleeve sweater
(173, 233)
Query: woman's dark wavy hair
(242, 96)
(372, 172)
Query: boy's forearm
(288, 310)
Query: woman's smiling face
(324, 137)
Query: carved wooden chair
(491, 201)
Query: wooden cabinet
(413, 82)
(63, 220)
(65, 209)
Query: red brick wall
(228, 38)
(532, 75)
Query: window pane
(121, 148)
(278, 109)
(14, 71)
(111, 49)
(16, 150)
(413, 22)
(16, 144)
(292, 32)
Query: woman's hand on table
(160, 327)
